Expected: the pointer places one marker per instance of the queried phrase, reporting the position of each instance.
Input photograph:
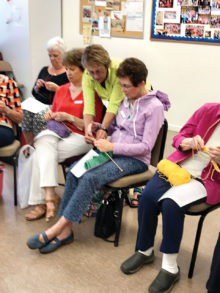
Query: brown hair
(73, 57)
(95, 55)
(134, 69)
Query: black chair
(9, 155)
(201, 210)
(123, 185)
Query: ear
(142, 83)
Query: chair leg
(196, 245)
(119, 211)
(64, 174)
(15, 180)
(64, 171)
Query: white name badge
(122, 114)
(78, 102)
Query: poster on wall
(186, 21)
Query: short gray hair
(56, 43)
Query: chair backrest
(6, 68)
(158, 149)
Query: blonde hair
(95, 55)
(56, 43)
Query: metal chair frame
(123, 191)
(202, 215)
(13, 161)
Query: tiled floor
(91, 265)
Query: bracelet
(103, 128)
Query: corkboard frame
(135, 34)
(165, 38)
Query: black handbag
(107, 217)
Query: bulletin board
(125, 17)
(192, 21)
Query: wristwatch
(103, 128)
(72, 119)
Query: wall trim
(174, 127)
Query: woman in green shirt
(100, 76)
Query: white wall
(23, 42)
(188, 73)
(14, 38)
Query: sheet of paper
(33, 105)
(79, 169)
(100, 3)
(135, 7)
(179, 193)
(134, 23)
(87, 33)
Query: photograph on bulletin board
(193, 21)
(118, 18)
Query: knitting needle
(113, 161)
(110, 158)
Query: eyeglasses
(126, 86)
(96, 72)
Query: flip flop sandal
(38, 214)
(132, 199)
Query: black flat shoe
(164, 282)
(136, 262)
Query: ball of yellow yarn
(174, 173)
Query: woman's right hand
(48, 115)
(92, 127)
(39, 83)
(194, 143)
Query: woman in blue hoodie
(133, 134)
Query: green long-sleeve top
(111, 92)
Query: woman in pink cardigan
(201, 130)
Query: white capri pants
(49, 151)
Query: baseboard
(173, 127)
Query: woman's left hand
(3, 108)
(51, 86)
(103, 145)
(214, 153)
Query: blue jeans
(172, 217)
(6, 135)
(79, 191)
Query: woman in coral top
(50, 149)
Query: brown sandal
(50, 213)
(37, 212)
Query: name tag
(78, 102)
(122, 114)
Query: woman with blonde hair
(100, 76)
